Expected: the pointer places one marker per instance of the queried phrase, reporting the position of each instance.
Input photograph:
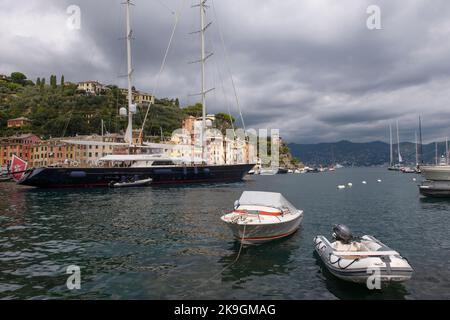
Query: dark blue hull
(103, 177)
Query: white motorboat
(262, 216)
(436, 173)
(437, 183)
(135, 183)
(268, 171)
(360, 259)
(408, 170)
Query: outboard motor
(236, 204)
(342, 233)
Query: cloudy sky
(310, 68)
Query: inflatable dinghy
(360, 259)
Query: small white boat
(136, 183)
(350, 184)
(341, 186)
(268, 171)
(262, 216)
(364, 182)
(408, 170)
(358, 259)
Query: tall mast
(391, 151)
(420, 141)
(202, 63)
(398, 146)
(446, 150)
(129, 132)
(417, 149)
(436, 153)
(202, 5)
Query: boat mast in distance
(420, 141)
(391, 151)
(398, 147)
(417, 149)
(129, 131)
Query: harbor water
(169, 242)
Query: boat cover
(268, 199)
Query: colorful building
(18, 122)
(19, 145)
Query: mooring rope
(226, 267)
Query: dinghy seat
(349, 247)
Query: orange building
(18, 122)
(17, 145)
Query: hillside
(62, 110)
(360, 154)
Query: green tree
(38, 82)
(53, 81)
(62, 81)
(18, 77)
(194, 110)
(224, 121)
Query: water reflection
(269, 258)
(170, 243)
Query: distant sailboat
(392, 166)
(400, 160)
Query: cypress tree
(53, 81)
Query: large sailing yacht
(138, 164)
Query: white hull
(139, 183)
(268, 171)
(260, 233)
(440, 173)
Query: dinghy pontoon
(357, 259)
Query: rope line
(163, 63)
(227, 63)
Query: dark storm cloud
(310, 68)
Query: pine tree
(62, 81)
(38, 82)
(53, 81)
